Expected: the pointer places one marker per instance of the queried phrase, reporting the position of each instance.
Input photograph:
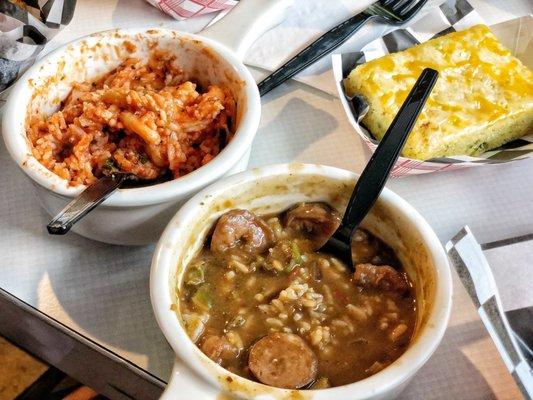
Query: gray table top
(101, 290)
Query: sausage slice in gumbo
(262, 302)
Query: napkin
(25, 28)
(488, 285)
(305, 22)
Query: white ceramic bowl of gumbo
(138, 216)
(273, 189)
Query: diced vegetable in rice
(141, 118)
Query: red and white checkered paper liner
(450, 16)
(183, 9)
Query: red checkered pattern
(183, 9)
(408, 166)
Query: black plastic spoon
(90, 198)
(372, 180)
(95, 194)
(82, 205)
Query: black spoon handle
(84, 203)
(316, 50)
(372, 180)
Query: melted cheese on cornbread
(482, 99)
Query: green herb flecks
(195, 274)
(109, 167)
(202, 298)
(296, 257)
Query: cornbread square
(483, 97)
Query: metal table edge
(73, 353)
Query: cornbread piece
(483, 97)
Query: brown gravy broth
(263, 303)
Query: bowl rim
(393, 376)
(14, 133)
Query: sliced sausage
(243, 230)
(382, 277)
(318, 221)
(283, 360)
(218, 349)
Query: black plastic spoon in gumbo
(373, 178)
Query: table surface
(102, 291)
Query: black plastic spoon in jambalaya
(92, 197)
(373, 178)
